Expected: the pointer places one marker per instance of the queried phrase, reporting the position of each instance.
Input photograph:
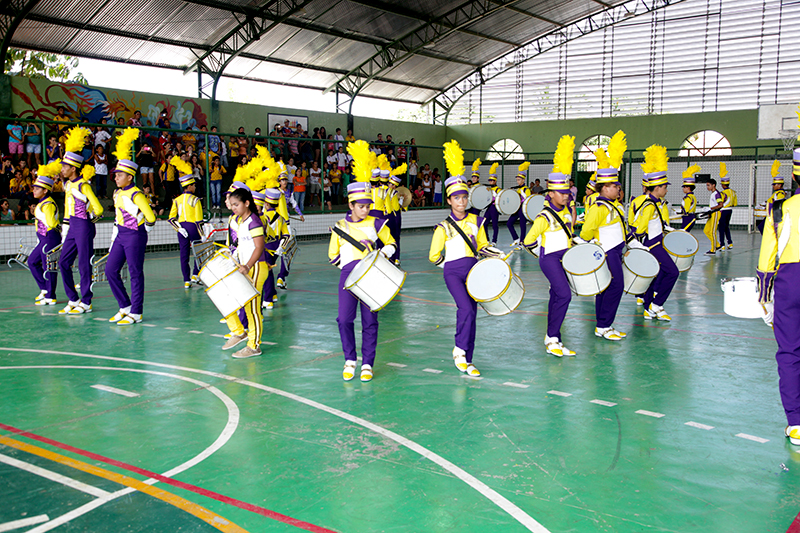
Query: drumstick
(509, 254)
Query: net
(788, 137)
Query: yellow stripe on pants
(258, 274)
(710, 230)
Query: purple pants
(512, 222)
(80, 243)
(37, 262)
(667, 275)
(128, 246)
(455, 277)
(607, 302)
(348, 304)
(186, 248)
(493, 216)
(284, 269)
(724, 228)
(395, 224)
(787, 334)
(269, 285)
(687, 221)
(560, 293)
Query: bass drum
(480, 196)
(491, 283)
(508, 202)
(741, 298)
(532, 206)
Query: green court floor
(677, 428)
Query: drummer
(729, 201)
(352, 239)
(492, 215)
(650, 227)
(476, 182)
(554, 225)
(457, 243)
(590, 194)
(185, 216)
(46, 233)
(777, 192)
(524, 192)
(715, 203)
(288, 198)
(689, 203)
(395, 209)
(276, 232)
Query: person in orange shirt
(300, 187)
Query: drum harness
(454, 225)
(561, 222)
(628, 234)
(346, 236)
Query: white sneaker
(608, 333)
(555, 347)
(460, 359)
(793, 432)
(267, 305)
(120, 314)
(639, 301)
(349, 371)
(130, 318)
(281, 283)
(45, 301)
(657, 312)
(80, 309)
(70, 306)
(366, 373)
(41, 296)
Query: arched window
(705, 143)
(505, 149)
(586, 159)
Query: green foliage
(41, 65)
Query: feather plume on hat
(124, 150)
(184, 168)
(399, 170)
(364, 159)
(602, 158)
(476, 164)
(383, 162)
(523, 167)
(75, 139)
(51, 169)
(493, 168)
(655, 159)
(775, 170)
(565, 155)
(454, 158)
(87, 172)
(691, 171)
(723, 170)
(617, 147)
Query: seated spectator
(6, 213)
(537, 188)
(418, 199)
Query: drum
(639, 267)
(491, 283)
(26, 247)
(229, 289)
(480, 196)
(290, 249)
(405, 196)
(375, 281)
(760, 212)
(682, 247)
(532, 206)
(508, 202)
(99, 270)
(586, 268)
(741, 298)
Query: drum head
(533, 206)
(680, 243)
(508, 202)
(583, 259)
(480, 197)
(488, 279)
(360, 269)
(642, 263)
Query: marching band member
(689, 202)
(376, 189)
(462, 238)
(524, 192)
(591, 194)
(185, 216)
(395, 209)
(287, 198)
(46, 232)
(81, 211)
(715, 203)
(491, 214)
(352, 239)
(476, 181)
(781, 242)
(651, 223)
(276, 232)
(729, 201)
(605, 224)
(777, 192)
(633, 208)
(554, 224)
(133, 221)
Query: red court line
(174, 482)
(795, 525)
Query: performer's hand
(149, 227)
(184, 233)
(243, 269)
(578, 240)
(491, 251)
(302, 218)
(388, 250)
(668, 228)
(636, 245)
(768, 313)
(64, 231)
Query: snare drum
(491, 283)
(586, 268)
(760, 212)
(639, 267)
(508, 202)
(741, 298)
(480, 196)
(229, 289)
(682, 247)
(375, 281)
(532, 206)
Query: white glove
(388, 250)
(183, 232)
(401, 200)
(64, 231)
(668, 228)
(768, 313)
(578, 240)
(636, 245)
(491, 251)
(280, 250)
(114, 233)
(149, 227)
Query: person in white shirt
(314, 178)
(342, 160)
(413, 169)
(338, 137)
(290, 169)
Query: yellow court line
(199, 511)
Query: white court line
(396, 365)
(559, 393)
(269, 343)
(53, 476)
(467, 376)
(115, 390)
(5, 310)
(650, 413)
(219, 336)
(515, 512)
(698, 425)
(101, 319)
(25, 522)
(322, 351)
(196, 332)
(517, 385)
(431, 370)
(26, 312)
(148, 325)
(298, 347)
(171, 328)
(751, 437)
(603, 402)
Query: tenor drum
(586, 268)
(532, 206)
(682, 247)
(229, 289)
(491, 283)
(375, 281)
(760, 212)
(480, 196)
(639, 267)
(508, 202)
(741, 298)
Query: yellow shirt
(588, 201)
(549, 230)
(651, 217)
(275, 226)
(341, 253)
(636, 203)
(446, 239)
(186, 208)
(80, 201)
(689, 204)
(46, 214)
(216, 173)
(378, 195)
(783, 245)
(132, 208)
(729, 199)
(604, 222)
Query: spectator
(287, 128)
(392, 159)
(169, 174)
(347, 175)
(294, 150)
(314, 178)
(299, 187)
(215, 182)
(26, 211)
(241, 143)
(427, 186)
(6, 213)
(61, 116)
(146, 161)
(33, 143)
(136, 120)
(342, 159)
(389, 143)
(88, 146)
(164, 143)
(537, 187)
(437, 189)
(6, 175)
(413, 154)
(214, 142)
(335, 176)
(101, 136)
(379, 144)
(413, 169)
(201, 139)
(402, 152)
(426, 172)
(199, 174)
(339, 138)
(163, 121)
(418, 200)
(326, 189)
(434, 175)
(350, 137)
(573, 189)
(189, 141)
(307, 151)
(100, 161)
(290, 169)
(16, 145)
(332, 160)
(53, 149)
(151, 199)
(317, 144)
(330, 144)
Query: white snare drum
(491, 283)
(508, 202)
(741, 298)
(760, 212)
(480, 196)
(639, 267)
(375, 281)
(682, 247)
(532, 206)
(229, 289)
(586, 268)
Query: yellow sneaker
(366, 373)
(129, 319)
(349, 371)
(793, 432)
(607, 333)
(472, 371)
(460, 359)
(70, 306)
(80, 309)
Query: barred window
(586, 159)
(505, 149)
(705, 143)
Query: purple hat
(455, 185)
(44, 182)
(272, 196)
(73, 159)
(556, 181)
(258, 196)
(395, 179)
(607, 175)
(655, 178)
(236, 185)
(796, 162)
(359, 192)
(128, 167)
(187, 180)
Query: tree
(41, 65)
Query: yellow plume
(75, 139)
(723, 170)
(655, 159)
(372, 159)
(454, 158)
(184, 168)
(265, 156)
(476, 164)
(691, 171)
(88, 172)
(616, 149)
(257, 182)
(602, 158)
(124, 148)
(363, 158)
(383, 162)
(51, 169)
(523, 167)
(493, 169)
(776, 169)
(565, 155)
(399, 170)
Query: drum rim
(466, 282)
(589, 295)
(676, 254)
(634, 273)
(390, 299)
(585, 273)
(374, 254)
(516, 306)
(218, 252)
(497, 198)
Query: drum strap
(650, 201)
(621, 218)
(471, 246)
(561, 222)
(346, 236)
